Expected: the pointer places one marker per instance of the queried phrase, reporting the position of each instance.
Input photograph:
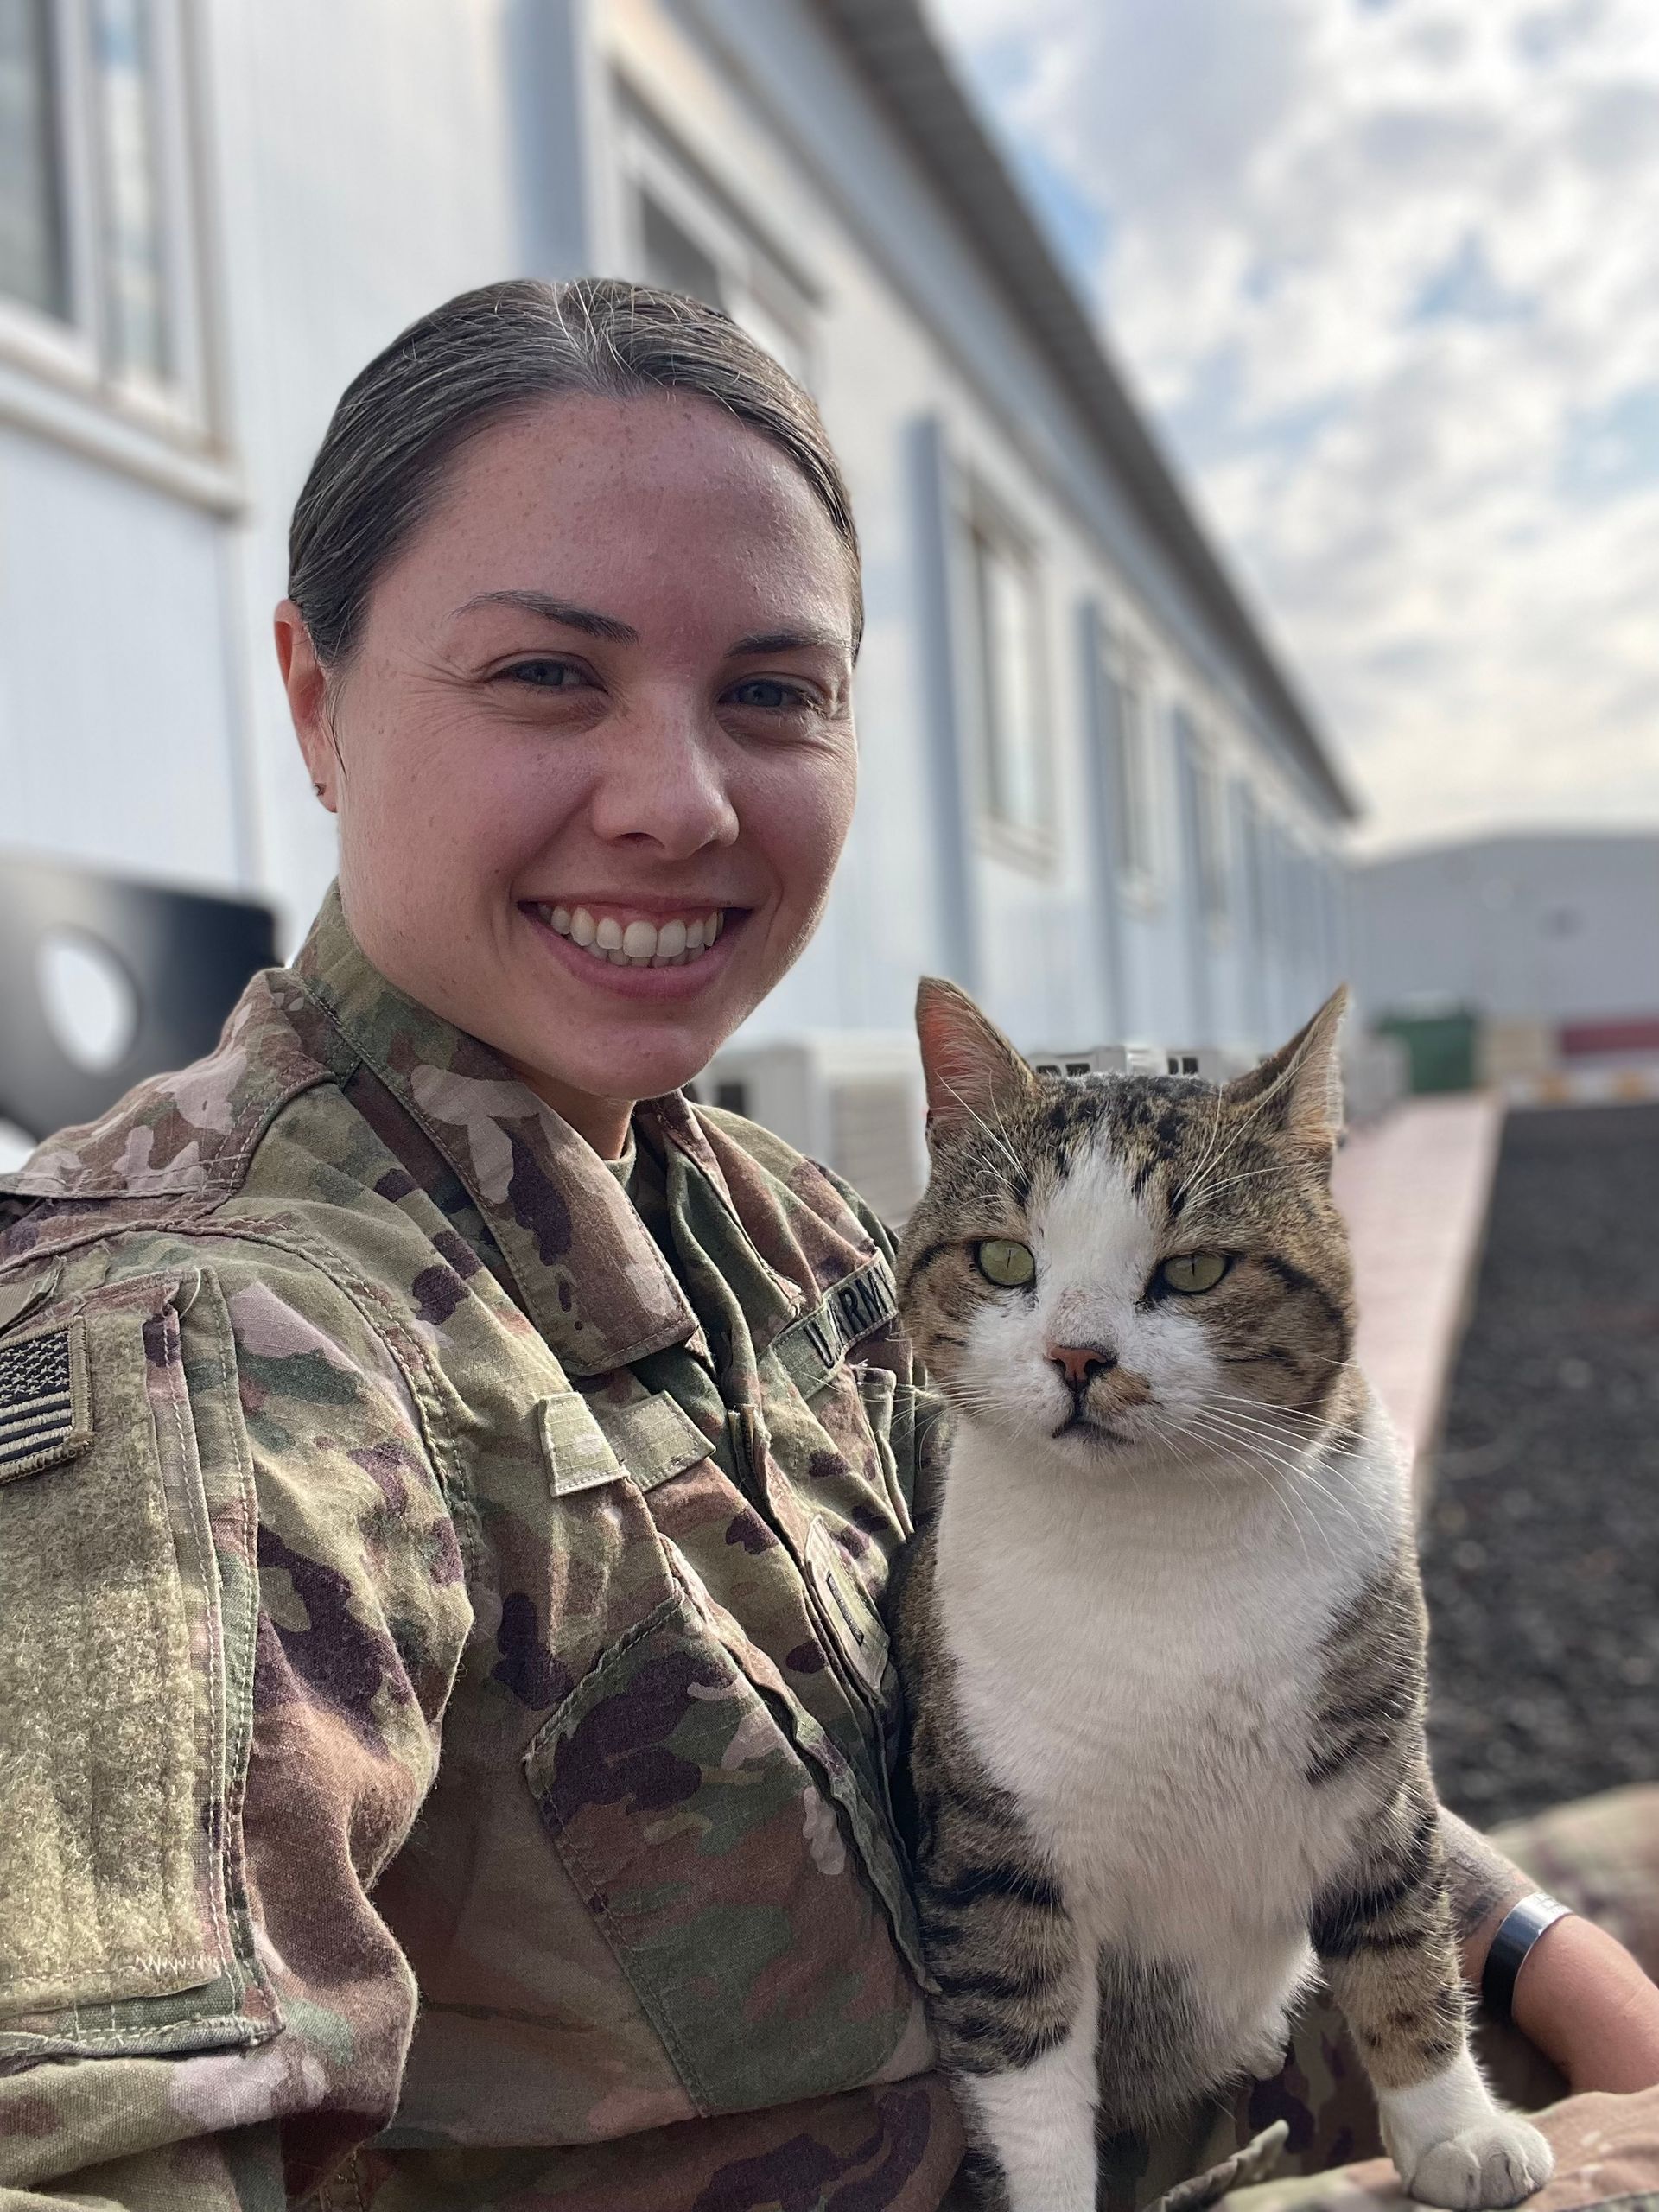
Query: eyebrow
(784, 641)
(594, 625)
(558, 610)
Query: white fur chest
(1140, 1674)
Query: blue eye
(767, 693)
(546, 674)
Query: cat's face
(1143, 1273)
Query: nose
(1080, 1363)
(663, 784)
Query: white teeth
(637, 944)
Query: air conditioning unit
(851, 1098)
(1214, 1063)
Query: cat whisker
(1247, 1175)
(1199, 1430)
(998, 1137)
(1180, 1197)
(1267, 1451)
(1304, 1447)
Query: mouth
(672, 952)
(1091, 1431)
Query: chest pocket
(712, 1828)
(127, 1616)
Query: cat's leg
(1035, 2122)
(1014, 2012)
(1384, 1934)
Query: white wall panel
(116, 722)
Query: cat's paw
(1498, 2162)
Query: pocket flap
(577, 1455)
(654, 1438)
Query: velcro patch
(45, 1403)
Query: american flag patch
(44, 1405)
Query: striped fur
(1162, 1634)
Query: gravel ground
(1542, 1547)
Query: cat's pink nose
(1080, 1363)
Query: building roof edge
(898, 54)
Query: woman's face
(596, 753)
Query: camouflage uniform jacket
(426, 1565)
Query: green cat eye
(1189, 1273)
(1002, 1261)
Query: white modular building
(1546, 938)
(1089, 791)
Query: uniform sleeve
(232, 1606)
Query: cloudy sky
(1388, 273)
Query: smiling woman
(575, 638)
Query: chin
(623, 1067)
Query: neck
(604, 1121)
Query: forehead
(652, 506)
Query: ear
(1298, 1088)
(306, 683)
(973, 1074)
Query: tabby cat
(1162, 1632)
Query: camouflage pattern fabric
(368, 1451)
(448, 1717)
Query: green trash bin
(1440, 1046)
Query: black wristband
(1519, 1930)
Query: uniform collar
(589, 1274)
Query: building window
(1210, 839)
(34, 266)
(1006, 673)
(97, 259)
(1139, 834)
(673, 258)
(688, 236)
(1252, 837)
(129, 178)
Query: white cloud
(1389, 275)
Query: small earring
(318, 789)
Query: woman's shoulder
(808, 1182)
(246, 1166)
(189, 1134)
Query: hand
(1583, 2000)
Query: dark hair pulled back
(490, 354)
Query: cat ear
(1298, 1088)
(973, 1074)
